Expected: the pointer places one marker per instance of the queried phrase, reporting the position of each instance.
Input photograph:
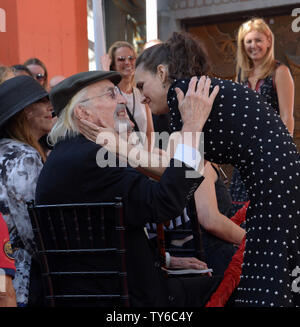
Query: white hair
(65, 125)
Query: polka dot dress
(243, 131)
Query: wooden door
(220, 41)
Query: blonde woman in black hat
(25, 115)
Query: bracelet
(168, 259)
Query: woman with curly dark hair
(244, 131)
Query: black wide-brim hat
(16, 94)
(64, 91)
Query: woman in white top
(121, 58)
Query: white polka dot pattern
(241, 130)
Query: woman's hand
(89, 130)
(108, 138)
(104, 136)
(195, 106)
(105, 62)
(187, 263)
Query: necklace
(255, 77)
(253, 81)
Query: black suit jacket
(71, 175)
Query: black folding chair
(81, 252)
(180, 228)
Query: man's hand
(187, 263)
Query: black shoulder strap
(136, 128)
(130, 115)
(216, 170)
(239, 76)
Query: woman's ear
(162, 73)
(28, 112)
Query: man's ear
(162, 73)
(81, 112)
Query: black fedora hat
(16, 94)
(64, 91)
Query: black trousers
(192, 291)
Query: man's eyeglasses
(123, 58)
(112, 92)
(39, 76)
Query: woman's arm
(208, 213)
(8, 294)
(152, 164)
(21, 186)
(285, 92)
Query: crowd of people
(60, 125)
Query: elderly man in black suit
(71, 174)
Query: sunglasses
(39, 77)
(123, 58)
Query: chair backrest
(82, 253)
(177, 229)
